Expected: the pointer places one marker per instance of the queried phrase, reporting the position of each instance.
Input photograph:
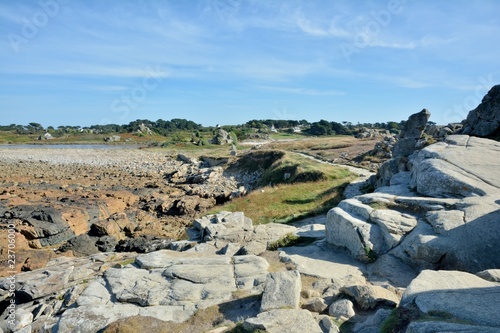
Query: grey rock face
(49, 228)
(462, 166)
(461, 295)
(283, 321)
(442, 216)
(484, 120)
(342, 309)
(281, 290)
(222, 137)
(362, 229)
(369, 296)
(412, 131)
(440, 326)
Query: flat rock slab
(281, 290)
(439, 326)
(166, 285)
(460, 167)
(283, 321)
(462, 295)
(321, 261)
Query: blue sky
(75, 62)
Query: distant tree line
(166, 127)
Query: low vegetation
(293, 187)
(287, 240)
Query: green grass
(288, 202)
(287, 240)
(281, 136)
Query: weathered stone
(369, 296)
(82, 245)
(250, 272)
(443, 326)
(327, 325)
(342, 309)
(395, 270)
(492, 275)
(281, 290)
(444, 221)
(253, 247)
(455, 169)
(230, 249)
(358, 236)
(164, 258)
(461, 295)
(373, 323)
(484, 120)
(317, 304)
(143, 244)
(393, 225)
(320, 261)
(283, 321)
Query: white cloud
(304, 91)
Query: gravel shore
(127, 159)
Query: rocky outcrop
(440, 215)
(55, 196)
(411, 133)
(222, 137)
(404, 149)
(440, 132)
(461, 166)
(484, 120)
(99, 290)
(452, 301)
(237, 230)
(384, 148)
(369, 133)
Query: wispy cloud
(303, 91)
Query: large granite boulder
(221, 137)
(281, 290)
(412, 131)
(87, 294)
(451, 298)
(443, 214)
(461, 166)
(484, 120)
(403, 150)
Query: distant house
(273, 129)
(297, 129)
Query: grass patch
(292, 187)
(287, 240)
(308, 143)
(281, 136)
(293, 168)
(288, 202)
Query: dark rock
(82, 245)
(412, 131)
(106, 244)
(484, 120)
(143, 244)
(407, 144)
(48, 227)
